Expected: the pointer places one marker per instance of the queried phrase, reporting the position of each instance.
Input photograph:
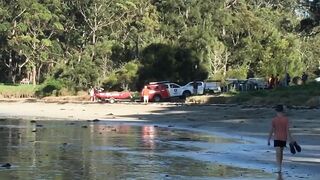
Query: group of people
(275, 81)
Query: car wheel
(98, 100)
(112, 100)
(157, 98)
(186, 94)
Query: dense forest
(122, 44)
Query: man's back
(280, 125)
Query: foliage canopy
(125, 43)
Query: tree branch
(86, 19)
(25, 62)
(230, 4)
(20, 14)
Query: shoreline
(240, 122)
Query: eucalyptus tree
(140, 27)
(98, 18)
(270, 44)
(102, 27)
(184, 24)
(131, 34)
(12, 61)
(167, 62)
(32, 33)
(207, 27)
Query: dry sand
(242, 122)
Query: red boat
(113, 96)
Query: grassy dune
(303, 95)
(17, 91)
(308, 94)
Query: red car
(113, 96)
(158, 91)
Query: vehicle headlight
(152, 91)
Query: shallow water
(100, 150)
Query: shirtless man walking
(280, 131)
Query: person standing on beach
(92, 94)
(195, 88)
(287, 79)
(280, 131)
(277, 80)
(271, 82)
(304, 77)
(145, 94)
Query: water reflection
(279, 177)
(148, 136)
(98, 150)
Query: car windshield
(174, 86)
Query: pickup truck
(189, 87)
(212, 87)
(165, 90)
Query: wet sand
(242, 122)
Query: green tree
(12, 61)
(76, 75)
(34, 33)
(163, 62)
(124, 78)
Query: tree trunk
(34, 75)
(104, 68)
(93, 43)
(94, 33)
(225, 63)
(137, 48)
(38, 74)
(215, 69)
(11, 74)
(29, 74)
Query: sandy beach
(249, 123)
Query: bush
(49, 87)
(123, 78)
(75, 76)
